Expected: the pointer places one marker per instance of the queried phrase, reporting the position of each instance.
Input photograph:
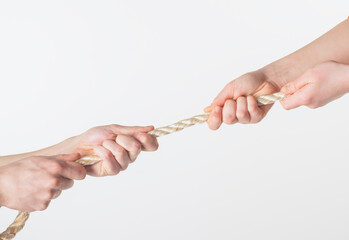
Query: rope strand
(22, 217)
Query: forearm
(60, 148)
(332, 46)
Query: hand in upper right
(236, 102)
(30, 184)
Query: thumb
(295, 85)
(296, 92)
(299, 98)
(226, 93)
(68, 157)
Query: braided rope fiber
(22, 217)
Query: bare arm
(332, 46)
(63, 147)
(236, 102)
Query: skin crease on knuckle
(123, 159)
(54, 166)
(53, 182)
(135, 146)
(149, 141)
(43, 206)
(241, 114)
(307, 99)
(112, 167)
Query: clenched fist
(30, 184)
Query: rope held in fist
(22, 217)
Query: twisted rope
(22, 217)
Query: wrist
(2, 201)
(346, 79)
(67, 146)
(282, 71)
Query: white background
(66, 66)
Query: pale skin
(311, 76)
(29, 181)
(317, 86)
(326, 55)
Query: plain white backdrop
(66, 66)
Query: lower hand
(317, 86)
(30, 184)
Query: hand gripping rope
(22, 217)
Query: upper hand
(317, 86)
(237, 103)
(118, 146)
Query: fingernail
(207, 109)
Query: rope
(22, 217)
(15, 227)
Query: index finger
(128, 130)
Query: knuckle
(212, 126)
(241, 114)
(155, 145)
(308, 100)
(53, 182)
(108, 142)
(48, 195)
(135, 147)
(121, 151)
(115, 171)
(70, 183)
(80, 171)
(43, 206)
(123, 168)
(254, 109)
(228, 119)
(55, 167)
(257, 120)
(145, 138)
(107, 155)
(313, 105)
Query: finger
(56, 193)
(127, 130)
(108, 166)
(256, 113)
(297, 84)
(215, 119)
(299, 98)
(67, 169)
(229, 112)
(226, 93)
(65, 183)
(242, 113)
(130, 144)
(120, 154)
(149, 142)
